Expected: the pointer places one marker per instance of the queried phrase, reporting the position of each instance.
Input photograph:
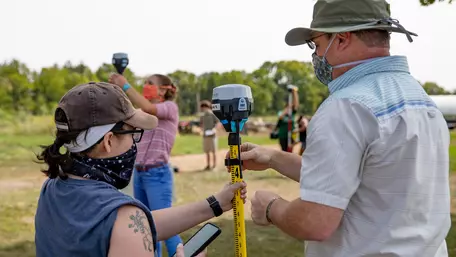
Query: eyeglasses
(135, 133)
(311, 43)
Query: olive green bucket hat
(336, 16)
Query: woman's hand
(117, 80)
(225, 197)
(180, 252)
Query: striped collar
(377, 65)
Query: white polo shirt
(378, 149)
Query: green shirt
(209, 120)
(282, 124)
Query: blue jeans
(154, 188)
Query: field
(20, 182)
(19, 141)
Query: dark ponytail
(51, 155)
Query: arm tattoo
(138, 226)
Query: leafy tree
(433, 89)
(15, 86)
(430, 2)
(38, 92)
(188, 88)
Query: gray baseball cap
(336, 16)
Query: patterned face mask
(115, 171)
(323, 70)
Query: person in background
(302, 129)
(151, 93)
(208, 123)
(81, 210)
(282, 123)
(153, 175)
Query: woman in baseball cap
(81, 211)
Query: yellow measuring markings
(238, 207)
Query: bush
(22, 123)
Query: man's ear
(107, 142)
(344, 40)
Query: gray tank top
(75, 217)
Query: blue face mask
(323, 70)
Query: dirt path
(197, 162)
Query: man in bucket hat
(374, 176)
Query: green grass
(16, 215)
(267, 241)
(190, 144)
(17, 210)
(21, 124)
(18, 207)
(22, 147)
(21, 135)
(20, 183)
(268, 118)
(453, 151)
(453, 158)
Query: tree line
(430, 2)
(37, 93)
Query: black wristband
(215, 206)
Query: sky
(202, 35)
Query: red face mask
(151, 92)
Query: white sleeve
(338, 136)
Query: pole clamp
(233, 162)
